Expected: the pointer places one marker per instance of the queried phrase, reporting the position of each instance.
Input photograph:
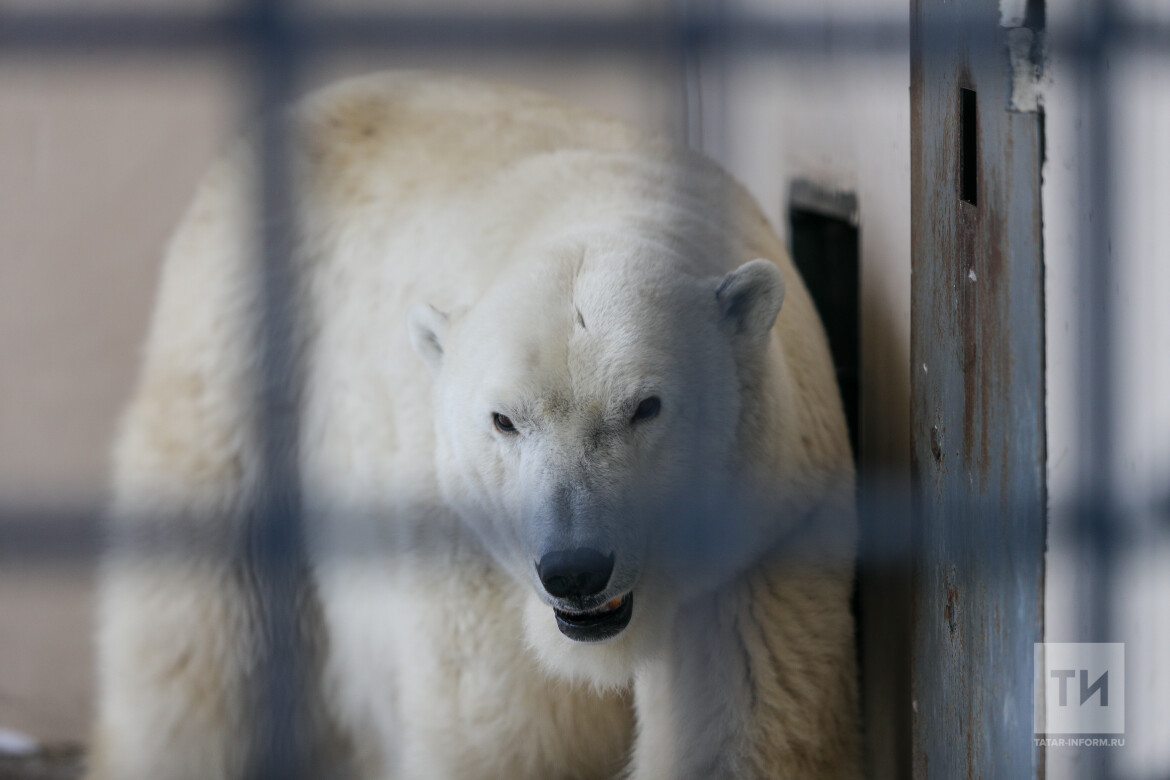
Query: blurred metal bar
(313, 33)
(1095, 281)
(321, 32)
(159, 33)
(279, 39)
(178, 32)
(1098, 521)
(275, 558)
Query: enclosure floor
(53, 762)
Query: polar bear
(576, 488)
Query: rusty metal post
(977, 399)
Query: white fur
(553, 266)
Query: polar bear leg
(690, 703)
(756, 683)
(173, 647)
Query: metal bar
(280, 38)
(275, 557)
(1096, 512)
(163, 32)
(157, 33)
(978, 441)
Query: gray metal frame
(977, 352)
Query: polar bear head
(588, 412)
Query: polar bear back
(415, 188)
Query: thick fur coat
(522, 330)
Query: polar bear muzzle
(577, 577)
(597, 625)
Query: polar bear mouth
(597, 625)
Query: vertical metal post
(1095, 366)
(275, 557)
(1097, 517)
(977, 399)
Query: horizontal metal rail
(177, 33)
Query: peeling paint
(1027, 95)
(1012, 13)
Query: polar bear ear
(428, 330)
(750, 297)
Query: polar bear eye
(648, 409)
(503, 424)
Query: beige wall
(98, 158)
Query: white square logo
(1080, 688)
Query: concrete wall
(97, 161)
(1137, 612)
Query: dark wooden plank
(977, 399)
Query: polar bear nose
(575, 573)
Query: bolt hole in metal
(968, 147)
